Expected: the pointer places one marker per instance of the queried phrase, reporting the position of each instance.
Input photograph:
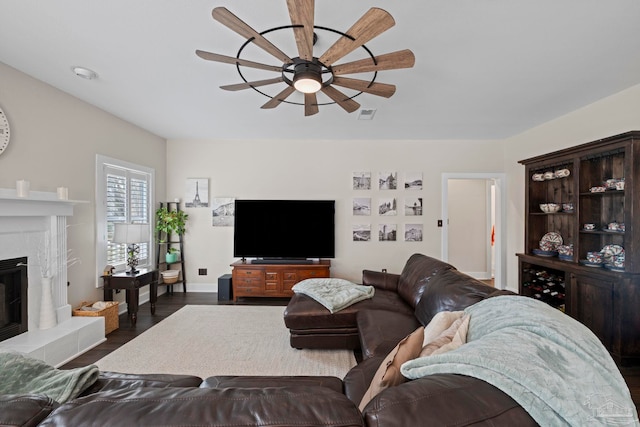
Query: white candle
(63, 193)
(22, 188)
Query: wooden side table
(132, 283)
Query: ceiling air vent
(366, 114)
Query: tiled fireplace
(34, 229)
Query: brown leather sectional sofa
(402, 302)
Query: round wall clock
(4, 131)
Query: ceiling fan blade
(380, 89)
(248, 85)
(389, 61)
(310, 104)
(276, 100)
(301, 13)
(341, 99)
(231, 60)
(228, 19)
(371, 24)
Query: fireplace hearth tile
(64, 342)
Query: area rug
(207, 340)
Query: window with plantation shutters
(123, 196)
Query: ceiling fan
(307, 73)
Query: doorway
(473, 213)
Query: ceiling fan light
(307, 78)
(307, 84)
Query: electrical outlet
(439, 223)
(384, 270)
(202, 272)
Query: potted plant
(168, 222)
(172, 255)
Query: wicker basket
(110, 314)
(169, 277)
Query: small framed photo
(223, 211)
(413, 232)
(388, 180)
(362, 206)
(197, 194)
(361, 180)
(387, 206)
(387, 232)
(413, 206)
(361, 232)
(413, 181)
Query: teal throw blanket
(21, 374)
(334, 294)
(549, 363)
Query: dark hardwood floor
(169, 304)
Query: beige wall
(55, 138)
(319, 170)
(611, 116)
(54, 141)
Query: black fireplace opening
(13, 297)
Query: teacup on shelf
(620, 184)
(567, 207)
(594, 257)
(613, 226)
(565, 249)
(589, 226)
(611, 183)
(618, 261)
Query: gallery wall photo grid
(384, 195)
(197, 193)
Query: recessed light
(85, 73)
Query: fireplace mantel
(39, 203)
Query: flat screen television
(284, 230)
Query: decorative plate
(612, 231)
(552, 237)
(540, 252)
(590, 264)
(610, 251)
(614, 268)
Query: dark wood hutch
(604, 297)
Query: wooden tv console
(273, 280)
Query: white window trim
(101, 214)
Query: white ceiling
(485, 69)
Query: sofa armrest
(117, 381)
(24, 410)
(380, 279)
(174, 406)
(445, 399)
(358, 379)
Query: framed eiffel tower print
(197, 195)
